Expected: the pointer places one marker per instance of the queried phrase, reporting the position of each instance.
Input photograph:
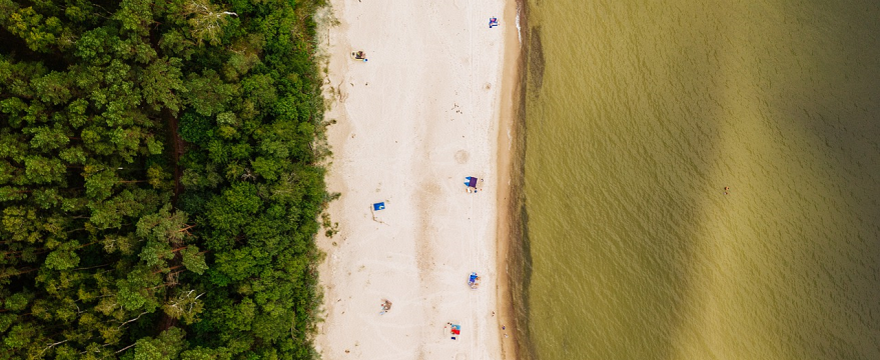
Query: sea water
(702, 179)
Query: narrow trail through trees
(177, 149)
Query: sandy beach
(425, 111)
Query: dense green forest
(159, 179)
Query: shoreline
(414, 252)
(509, 144)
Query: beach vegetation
(159, 179)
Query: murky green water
(646, 111)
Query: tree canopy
(159, 182)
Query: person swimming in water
(726, 188)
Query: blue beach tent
(379, 206)
(474, 281)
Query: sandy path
(413, 122)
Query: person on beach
(385, 306)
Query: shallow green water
(646, 111)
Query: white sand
(413, 122)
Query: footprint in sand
(462, 156)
